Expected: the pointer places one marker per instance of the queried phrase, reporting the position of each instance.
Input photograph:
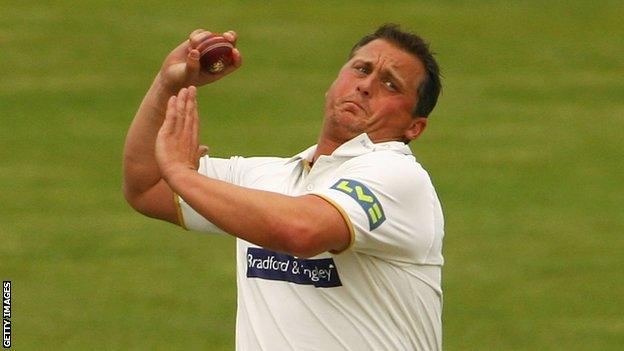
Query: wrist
(164, 86)
(175, 174)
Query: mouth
(353, 106)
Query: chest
(293, 179)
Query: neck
(325, 146)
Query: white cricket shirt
(382, 293)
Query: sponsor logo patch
(365, 198)
(266, 264)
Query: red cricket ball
(215, 53)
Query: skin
(374, 92)
(143, 184)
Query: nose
(364, 86)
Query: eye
(390, 85)
(363, 69)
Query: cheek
(335, 92)
(405, 108)
(394, 105)
(330, 97)
(396, 113)
(341, 84)
(331, 91)
(407, 104)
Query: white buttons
(309, 187)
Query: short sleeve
(249, 172)
(392, 206)
(217, 168)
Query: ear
(417, 126)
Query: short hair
(429, 89)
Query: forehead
(392, 57)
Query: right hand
(182, 68)
(177, 143)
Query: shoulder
(388, 167)
(392, 177)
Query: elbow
(136, 200)
(134, 188)
(299, 239)
(132, 198)
(155, 202)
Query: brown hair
(430, 88)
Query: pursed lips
(353, 103)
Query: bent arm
(143, 185)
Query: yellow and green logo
(365, 198)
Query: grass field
(525, 149)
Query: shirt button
(310, 187)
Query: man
(339, 247)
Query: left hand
(177, 143)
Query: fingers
(237, 59)
(193, 73)
(197, 37)
(191, 121)
(180, 110)
(170, 117)
(182, 114)
(231, 36)
(195, 32)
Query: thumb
(192, 62)
(202, 151)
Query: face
(375, 93)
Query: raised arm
(143, 184)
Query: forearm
(271, 220)
(140, 170)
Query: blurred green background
(525, 149)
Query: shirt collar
(357, 146)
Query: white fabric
(389, 297)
